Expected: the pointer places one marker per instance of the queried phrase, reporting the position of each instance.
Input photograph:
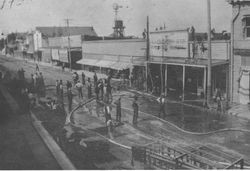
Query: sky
(175, 14)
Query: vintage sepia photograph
(124, 84)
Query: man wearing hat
(118, 110)
(108, 118)
(162, 100)
(79, 88)
(70, 98)
(136, 109)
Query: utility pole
(147, 53)
(209, 52)
(163, 44)
(69, 47)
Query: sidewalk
(26, 144)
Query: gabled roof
(63, 31)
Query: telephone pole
(69, 47)
(147, 52)
(209, 65)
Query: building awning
(197, 62)
(121, 66)
(86, 61)
(105, 63)
(117, 65)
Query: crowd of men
(102, 89)
(102, 92)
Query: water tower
(118, 24)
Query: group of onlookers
(37, 84)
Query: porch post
(166, 80)
(183, 82)
(205, 82)
(227, 84)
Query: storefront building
(180, 71)
(60, 50)
(241, 59)
(121, 58)
(174, 67)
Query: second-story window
(246, 25)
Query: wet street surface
(179, 127)
(191, 118)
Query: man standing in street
(57, 87)
(107, 109)
(136, 109)
(37, 68)
(68, 84)
(61, 92)
(100, 86)
(35, 82)
(131, 80)
(97, 91)
(63, 67)
(70, 98)
(118, 110)
(83, 78)
(218, 99)
(32, 83)
(161, 101)
(38, 86)
(95, 79)
(89, 85)
(79, 89)
(22, 74)
(42, 85)
(109, 92)
(109, 123)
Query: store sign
(55, 54)
(63, 55)
(169, 43)
(220, 49)
(192, 61)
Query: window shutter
(244, 22)
(244, 32)
(244, 27)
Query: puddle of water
(192, 118)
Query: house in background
(39, 42)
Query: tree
(1, 44)
(11, 37)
